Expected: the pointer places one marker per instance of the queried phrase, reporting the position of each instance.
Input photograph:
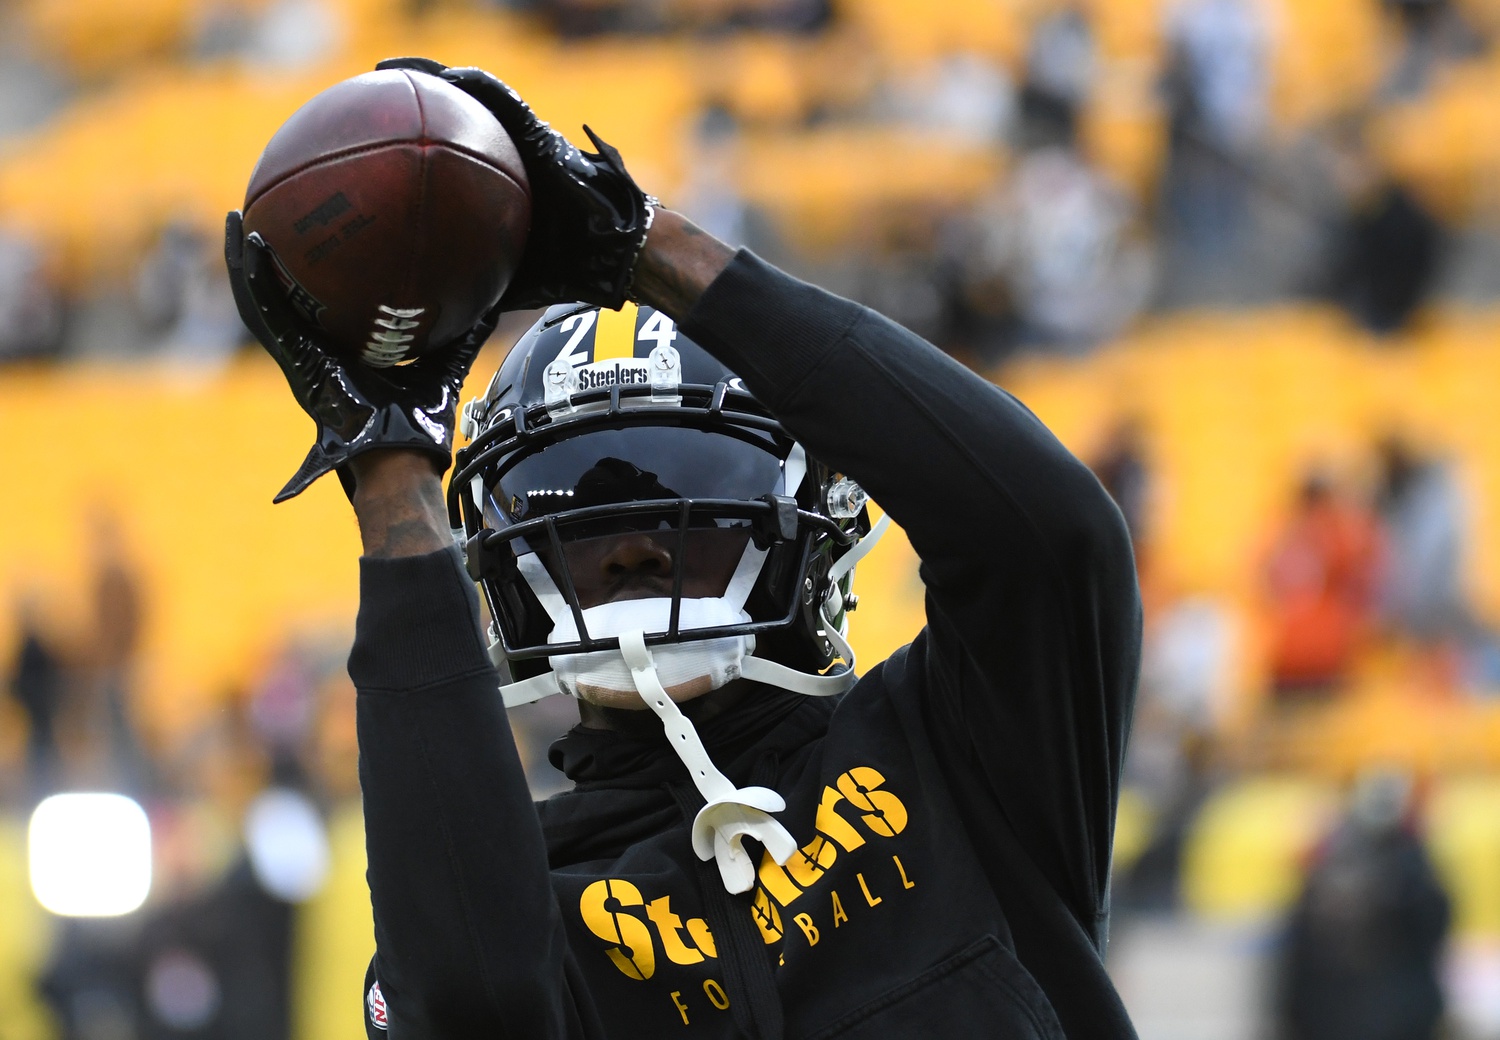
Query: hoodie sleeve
(1030, 654)
(469, 938)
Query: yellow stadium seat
(906, 32)
(25, 937)
(334, 940)
(1245, 854)
(94, 38)
(846, 175)
(1463, 829)
(1326, 58)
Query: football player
(662, 503)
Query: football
(397, 209)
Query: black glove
(357, 408)
(588, 218)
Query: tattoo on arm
(401, 511)
(680, 260)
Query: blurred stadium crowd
(1242, 255)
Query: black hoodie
(954, 810)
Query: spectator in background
(37, 683)
(117, 623)
(217, 966)
(296, 34)
(183, 301)
(1054, 258)
(1121, 467)
(581, 19)
(1387, 246)
(1322, 580)
(1362, 950)
(1434, 35)
(1186, 663)
(911, 272)
(963, 95)
(1425, 518)
(710, 189)
(1066, 241)
(1217, 86)
(1423, 598)
(1061, 65)
(31, 309)
(795, 16)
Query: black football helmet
(602, 424)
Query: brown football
(397, 208)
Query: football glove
(357, 408)
(588, 217)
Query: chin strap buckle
(732, 813)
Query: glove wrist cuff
(651, 204)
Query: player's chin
(631, 700)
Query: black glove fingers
(504, 103)
(605, 154)
(427, 65)
(244, 298)
(270, 313)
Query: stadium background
(987, 170)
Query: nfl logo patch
(376, 1005)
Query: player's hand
(589, 218)
(357, 408)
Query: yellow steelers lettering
(716, 995)
(681, 1007)
(669, 927)
(902, 869)
(701, 936)
(775, 880)
(805, 922)
(811, 861)
(600, 906)
(884, 813)
(872, 900)
(767, 918)
(839, 917)
(834, 825)
(615, 338)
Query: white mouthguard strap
(731, 813)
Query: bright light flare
(90, 855)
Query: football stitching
(424, 143)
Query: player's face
(650, 548)
(642, 565)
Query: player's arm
(469, 940)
